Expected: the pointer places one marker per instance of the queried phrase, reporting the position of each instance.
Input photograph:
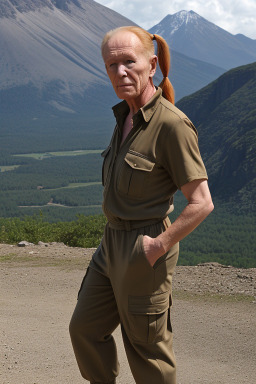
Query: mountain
(44, 41)
(50, 52)
(53, 82)
(54, 46)
(188, 75)
(196, 37)
(225, 115)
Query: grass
(76, 185)
(9, 257)
(36, 260)
(213, 297)
(7, 168)
(61, 206)
(41, 156)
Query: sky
(235, 16)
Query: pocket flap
(146, 305)
(139, 162)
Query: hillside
(189, 75)
(196, 37)
(52, 80)
(46, 41)
(225, 115)
(52, 74)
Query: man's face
(128, 66)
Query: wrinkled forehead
(123, 41)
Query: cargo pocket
(132, 176)
(148, 317)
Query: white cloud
(235, 16)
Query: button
(135, 165)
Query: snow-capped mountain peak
(187, 17)
(191, 34)
(174, 22)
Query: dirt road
(213, 319)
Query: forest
(227, 239)
(58, 197)
(64, 180)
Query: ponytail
(164, 60)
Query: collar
(150, 107)
(121, 110)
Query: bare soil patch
(213, 319)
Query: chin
(125, 95)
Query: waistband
(129, 225)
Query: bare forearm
(198, 208)
(189, 219)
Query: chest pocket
(106, 164)
(134, 172)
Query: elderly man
(153, 152)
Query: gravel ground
(213, 319)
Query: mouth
(124, 85)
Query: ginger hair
(163, 54)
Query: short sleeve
(180, 153)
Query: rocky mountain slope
(45, 41)
(225, 115)
(50, 56)
(196, 37)
(53, 80)
(54, 90)
(52, 49)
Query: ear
(153, 65)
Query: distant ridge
(52, 77)
(190, 34)
(58, 40)
(52, 48)
(225, 115)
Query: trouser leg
(143, 296)
(93, 321)
(151, 363)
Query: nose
(121, 70)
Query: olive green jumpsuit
(140, 177)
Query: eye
(130, 61)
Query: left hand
(153, 249)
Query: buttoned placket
(140, 122)
(121, 150)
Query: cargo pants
(121, 287)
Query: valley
(41, 156)
(56, 119)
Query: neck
(142, 99)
